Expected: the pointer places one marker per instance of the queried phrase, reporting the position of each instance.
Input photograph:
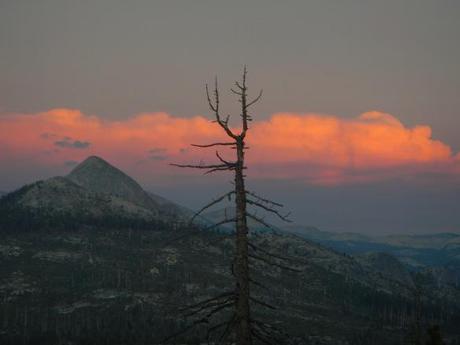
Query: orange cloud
(333, 149)
(320, 149)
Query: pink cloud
(321, 149)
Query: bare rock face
(93, 193)
(96, 175)
(61, 195)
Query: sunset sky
(357, 129)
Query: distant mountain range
(91, 257)
(422, 241)
(94, 191)
(418, 252)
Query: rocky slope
(106, 282)
(62, 195)
(387, 269)
(93, 192)
(124, 286)
(96, 175)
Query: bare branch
(218, 326)
(218, 169)
(185, 330)
(225, 221)
(213, 166)
(256, 283)
(241, 87)
(261, 337)
(264, 326)
(215, 108)
(255, 100)
(217, 306)
(262, 303)
(221, 307)
(275, 256)
(213, 144)
(261, 221)
(269, 209)
(209, 300)
(226, 120)
(271, 263)
(236, 92)
(227, 166)
(223, 160)
(256, 248)
(267, 201)
(227, 330)
(266, 333)
(244, 107)
(212, 203)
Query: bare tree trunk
(243, 329)
(242, 324)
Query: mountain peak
(90, 172)
(92, 162)
(99, 176)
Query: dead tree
(244, 327)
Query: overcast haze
(117, 59)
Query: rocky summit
(96, 175)
(94, 192)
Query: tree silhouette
(241, 322)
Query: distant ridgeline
(416, 251)
(79, 274)
(98, 212)
(93, 194)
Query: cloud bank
(314, 148)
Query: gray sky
(116, 58)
